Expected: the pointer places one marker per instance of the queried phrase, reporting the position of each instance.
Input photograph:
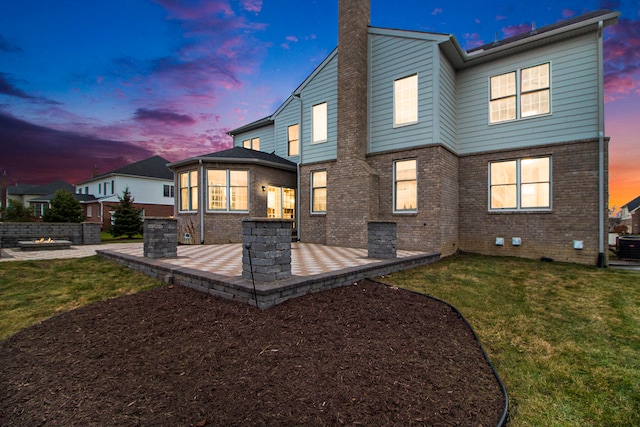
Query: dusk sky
(106, 83)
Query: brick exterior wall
(574, 213)
(313, 227)
(434, 228)
(105, 220)
(220, 228)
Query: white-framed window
(520, 184)
(405, 100)
(99, 188)
(520, 94)
(281, 202)
(319, 191)
(228, 190)
(188, 191)
(405, 186)
(168, 190)
(319, 123)
(89, 211)
(252, 144)
(293, 140)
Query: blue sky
(86, 83)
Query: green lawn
(31, 291)
(106, 237)
(564, 338)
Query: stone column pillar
(382, 239)
(160, 237)
(266, 249)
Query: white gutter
(601, 167)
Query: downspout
(601, 153)
(298, 168)
(201, 201)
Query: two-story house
(149, 181)
(498, 150)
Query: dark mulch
(365, 354)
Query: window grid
(188, 191)
(319, 191)
(252, 144)
(522, 184)
(533, 98)
(405, 100)
(293, 140)
(228, 190)
(405, 186)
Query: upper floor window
(319, 191)
(405, 100)
(293, 140)
(519, 94)
(520, 184)
(168, 190)
(189, 190)
(228, 190)
(319, 123)
(252, 144)
(405, 186)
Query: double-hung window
(189, 190)
(405, 186)
(293, 140)
(168, 190)
(405, 100)
(520, 94)
(252, 144)
(319, 123)
(228, 190)
(521, 184)
(319, 191)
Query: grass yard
(564, 338)
(106, 237)
(31, 291)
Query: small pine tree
(127, 219)
(64, 208)
(17, 212)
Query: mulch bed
(364, 354)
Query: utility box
(629, 247)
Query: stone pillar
(160, 237)
(266, 249)
(382, 239)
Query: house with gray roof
(499, 150)
(150, 182)
(630, 215)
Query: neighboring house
(150, 182)
(630, 216)
(497, 150)
(37, 197)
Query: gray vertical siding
(323, 87)
(574, 99)
(393, 58)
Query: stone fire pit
(43, 245)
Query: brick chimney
(95, 171)
(352, 186)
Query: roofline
(265, 121)
(315, 72)
(199, 159)
(462, 59)
(113, 175)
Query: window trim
(518, 94)
(228, 187)
(312, 187)
(395, 182)
(189, 188)
(251, 143)
(417, 103)
(326, 123)
(168, 190)
(518, 184)
(290, 141)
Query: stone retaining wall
(83, 233)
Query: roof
(240, 155)
(153, 167)
(251, 126)
(633, 205)
(40, 190)
(79, 197)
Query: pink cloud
(514, 30)
(472, 40)
(568, 13)
(622, 59)
(252, 5)
(437, 11)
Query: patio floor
(217, 269)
